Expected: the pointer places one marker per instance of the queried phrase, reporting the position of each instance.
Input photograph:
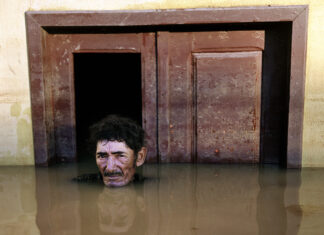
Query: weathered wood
(297, 91)
(59, 86)
(228, 88)
(36, 22)
(167, 17)
(185, 118)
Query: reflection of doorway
(54, 37)
(106, 83)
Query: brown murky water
(173, 199)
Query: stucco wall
(15, 121)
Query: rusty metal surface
(177, 139)
(228, 87)
(60, 84)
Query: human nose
(111, 164)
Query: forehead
(112, 146)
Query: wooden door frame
(58, 55)
(39, 23)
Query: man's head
(119, 149)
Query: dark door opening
(105, 83)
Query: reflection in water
(17, 201)
(276, 185)
(174, 199)
(121, 211)
(230, 199)
(112, 210)
(58, 201)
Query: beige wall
(15, 121)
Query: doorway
(105, 83)
(54, 37)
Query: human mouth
(113, 175)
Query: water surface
(173, 199)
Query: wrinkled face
(116, 163)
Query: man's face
(116, 162)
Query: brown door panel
(227, 88)
(185, 62)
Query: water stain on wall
(24, 135)
(15, 110)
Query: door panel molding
(177, 54)
(228, 100)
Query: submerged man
(119, 149)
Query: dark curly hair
(117, 128)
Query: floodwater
(173, 199)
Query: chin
(111, 184)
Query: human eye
(101, 155)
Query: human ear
(141, 155)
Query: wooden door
(209, 96)
(59, 86)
